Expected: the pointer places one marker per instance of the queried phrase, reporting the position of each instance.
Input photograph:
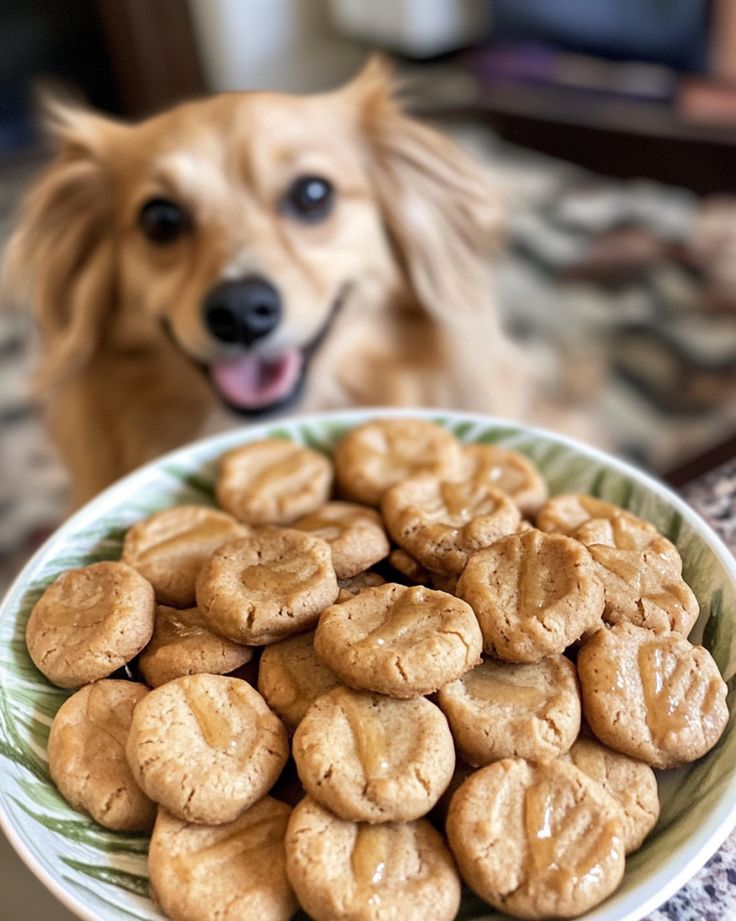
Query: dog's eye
(162, 221)
(309, 198)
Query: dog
(249, 252)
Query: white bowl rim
(708, 837)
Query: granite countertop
(711, 893)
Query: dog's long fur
(405, 256)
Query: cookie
(441, 523)
(89, 623)
(291, 677)
(534, 594)
(206, 747)
(399, 641)
(376, 455)
(183, 645)
(536, 840)
(273, 481)
(411, 569)
(86, 754)
(564, 514)
(363, 872)
(170, 547)
(356, 584)
(355, 535)
(369, 758)
(641, 575)
(652, 696)
(230, 872)
(266, 587)
(631, 783)
(501, 710)
(509, 471)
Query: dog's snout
(242, 311)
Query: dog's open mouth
(256, 381)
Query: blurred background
(611, 124)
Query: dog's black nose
(242, 311)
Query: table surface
(709, 896)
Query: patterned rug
(604, 281)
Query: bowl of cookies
(376, 664)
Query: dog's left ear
(442, 213)
(60, 259)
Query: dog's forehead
(255, 135)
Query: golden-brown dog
(248, 250)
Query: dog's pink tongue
(254, 380)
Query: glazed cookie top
(86, 753)
(533, 593)
(369, 758)
(376, 455)
(653, 696)
(268, 586)
(170, 547)
(442, 522)
(537, 840)
(206, 747)
(90, 622)
(241, 866)
(182, 644)
(641, 575)
(273, 481)
(564, 514)
(355, 534)
(501, 710)
(291, 677)
(509, 471)
(367, 872)
(631, 783)
(399, 641)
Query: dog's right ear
(59, 261)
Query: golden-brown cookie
(631, 783)
(652, 696)
(182, 644)
(206, 747)
(273, 481)
(87, 755)
(443, 522)
(375, 455)
(501, 710)
(89, 623)
(508, 470)
(266, 587)
(641, 575)
(231, 872)
(353, 586)
(369, 758)
(536, 840)
(399, 641)
(354, 532)
(170, 547)
(291, 677)
(411, 569)
(565, 513)
(533, 593)
(366, 872)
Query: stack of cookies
(459, 689)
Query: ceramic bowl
(100, 874)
